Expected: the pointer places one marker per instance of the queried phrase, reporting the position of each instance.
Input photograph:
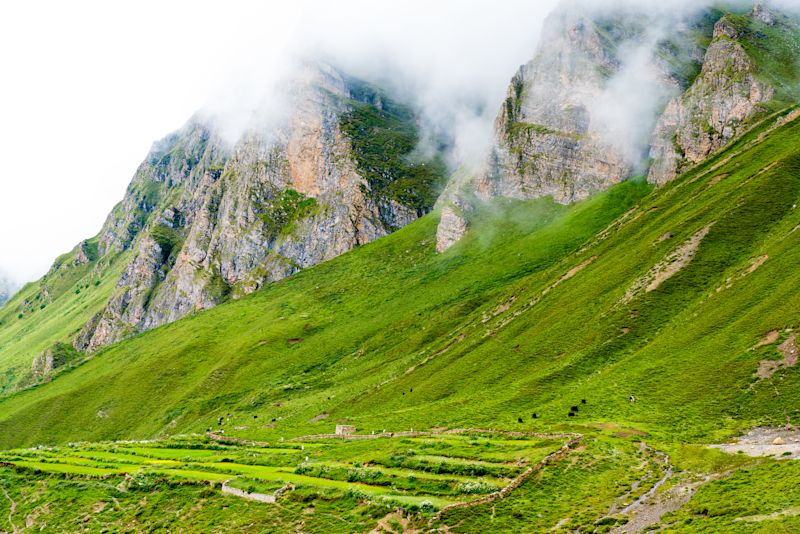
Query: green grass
(775, 50)
(253, 469)
(759, 498)
(53, 467)
(156, 503)
(530, 313)
(52, 311)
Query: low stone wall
(236, 492)
(417, 434)
(553, 457)
(364, 436)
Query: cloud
(94, 83)
(451, 59)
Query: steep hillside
(204, 221)
(683, 297)
(542, 304)
(48, 313)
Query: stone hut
(345, 430)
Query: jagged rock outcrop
(52, 360)
(554, 138)
(452, 227)
(547, 140)
(551, 138)
(206, 220)
(83, 253)
(715, 109)
(762, 12)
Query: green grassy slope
(52, 310)
(394, 336)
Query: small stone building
(344, 430)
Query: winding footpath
(11, 511)
(647, 511)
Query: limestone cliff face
(547, 141)
(715, 109)
(206, 221)
(550, 139)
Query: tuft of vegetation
(775, 49)
(283, 209)
(385, 137)
(168, 239)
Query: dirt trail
(385, 525)
(788, 512)
(648, 509)
(648, 512)
(11, 511)
(668, 267)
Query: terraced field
(428, 472)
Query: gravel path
(648, 509)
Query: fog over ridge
(96, 83)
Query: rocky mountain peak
(558, 132)
(206, 220)
(726, 27)
(762, 12)
(738, 83)
(551, 134)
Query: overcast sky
(88, 86)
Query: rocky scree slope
(552, 137)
